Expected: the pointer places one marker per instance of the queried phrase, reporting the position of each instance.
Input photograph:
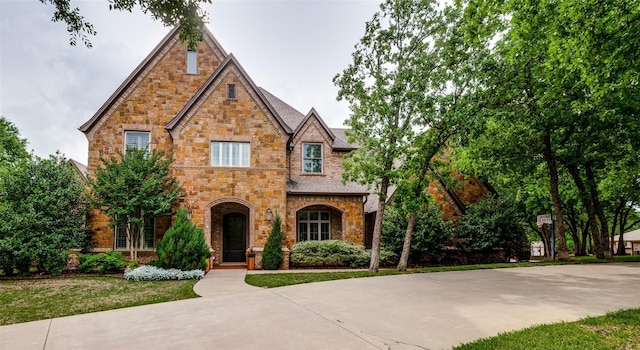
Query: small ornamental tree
(272, 256)
(183, 246)
(134, 187)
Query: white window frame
(230, 88)
(139, 144)
(304, 158)
(120, 230)
(308, 222)
(231, 154)
(192, 62)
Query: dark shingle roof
(324, 187)
(341, 141)
(80, 168)
(291, 116)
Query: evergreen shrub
(183, 246)
(272, 256)
(334, 253)
(108, 262)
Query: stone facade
(186, 113)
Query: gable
(159, 73)
(230, 71)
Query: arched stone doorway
(229, 222)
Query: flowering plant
(250, 253)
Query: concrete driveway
(418, 311)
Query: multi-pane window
(137, 140)
(231, 92)
(313, 226)
(192, 62)
(230, 154)
(312, 158)
(146, 242)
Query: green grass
(272, 280)
(616, 330)
(38, 299)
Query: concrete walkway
(418, 311)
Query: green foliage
(328, 253)
(493, 223)
(55, 263)
(185, 13)
(108, 262)
(183, 246)
(272, 256)
(42, 213)
(12, 147)
(134, 187)
(430, 231)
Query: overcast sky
(48, 88)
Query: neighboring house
(631, 242)
(241, 154)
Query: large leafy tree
(12, 146)
(185, 13)
(382, 85)
(133, 187)
(42, 213)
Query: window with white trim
(192, 62)
(147, 242)
(313, 226)
(312, 158)
(137, 140)
(230, 154)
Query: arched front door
(234, 237)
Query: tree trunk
(406, 246)
(604, 225)
(563, 253)
(591, 212)
(374, 264)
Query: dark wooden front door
(234, 237)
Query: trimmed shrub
(430, 233)
(183, 246)
(54, 263)
(272, 256)
(334, 253)
(494, 223)
(109, 262)
(153, 273)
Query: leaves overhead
(187, 14)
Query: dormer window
(192, 62)
(231, 92)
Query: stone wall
(351, 209)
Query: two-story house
(241, 154)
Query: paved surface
(419, 311)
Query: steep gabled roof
(80, 168)
(291, 116)
(313, 113)
(148, 61)
(230, 60)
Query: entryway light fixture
(269, 214)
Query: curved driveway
(417, 311)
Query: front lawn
(616, 330)
(272, 280)
(37, 299)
